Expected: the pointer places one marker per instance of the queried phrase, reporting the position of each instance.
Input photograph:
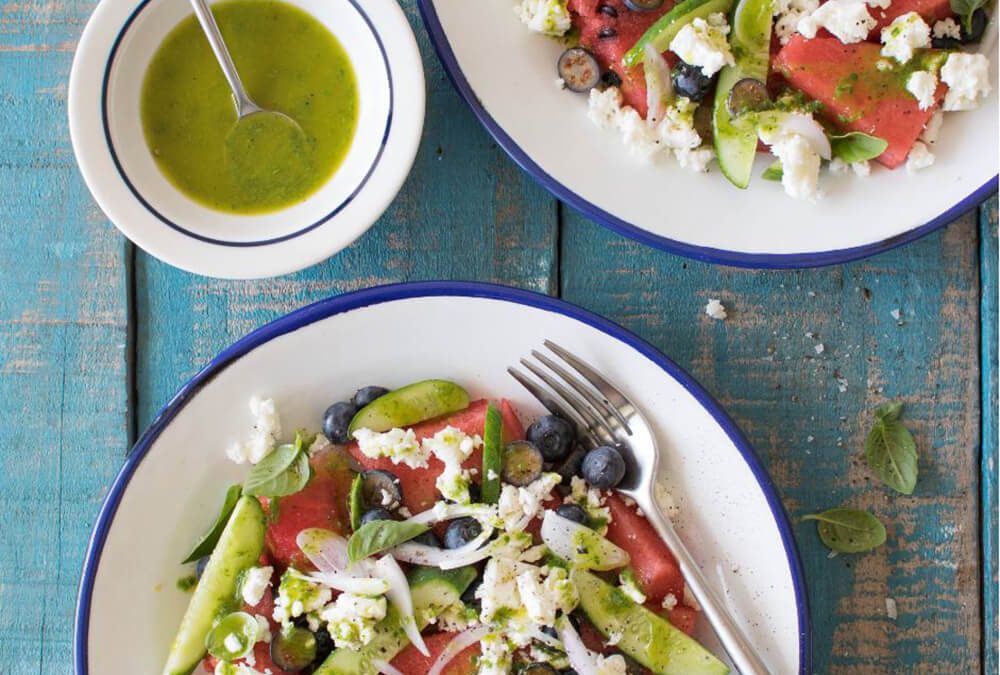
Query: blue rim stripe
(225, 242)
(380, 294)
(703, 253)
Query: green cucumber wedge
(217, 593)
(411, 404)
(662, 33)
(750, 41)
(492, 455)
(433, 591)
(645, 636)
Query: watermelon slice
(856, 95)
(412, 662)
(419, 492)
(930, 10)
(322, 503)
(622, 31)
(654, 565)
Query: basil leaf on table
(208, 540)
(890, 450)
(857, 146)
(848, 530)
(965, 9)
(381, 535)
(283, 472)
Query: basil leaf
(270, 467)
(890, 450)
(284, 472)
(208, 540)
(848, 530)
(856, 146)
(356, 501)
(965, 9)
(380, 535)
(773, 172)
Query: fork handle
(730, 634)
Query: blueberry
(573, 512)
(603, 467)
(378, 513)
(376, 484)
(578, 69)
(336, 420)
(690, 81)
(475, 493)
(539, 668)
(199, 568)
(461, 531)
(428, 538)
(366, 395)
(469, 596)
(946, 43)
(979, 21)
(553, 436)
(293, 648)
(643, 5)
(610, 78)
(522, 464)
(571, 465)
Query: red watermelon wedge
(412, 662)
(931, 11)
(654, 565)
(856, 95)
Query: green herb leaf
(381, 535)
(356, 501)
(890, 450)
(848, 530)
(208, 540)
(285, 471)
(773, 172)
(965, 9)
(856, 146)
(492, 455)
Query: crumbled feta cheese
(519, 505)
(840, 167)
(890, 609)
(639, 137)
(696, 160)
(398, 445)
(880, 4)
(669, 601)
(922, 84)
(919, 158)
(351, 619)
(494, 657)
(789, 12)
(716, 309)
(549, 17)
(232, 643)
(604, 106)
(703, 43)
(298, 595)
(800, 163)
(591, 500)
(906, 33)
(614, 637)
(628, 585)
(454, 618)
(968, 80)
(498, 589)
(611, 665)
(263, 436)
(544, 597)
(560, 83)
(848, 20)
(933, 127)
(453, 446)
(255, 582)
(263, 628)
(948, 28)
(677, 132)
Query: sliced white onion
(386, 668)
(810, 130)
(399, 595)
(443, 558)
(349, 583)
(580, 658)
(659, 87)
(566, 538)
(458, 644)
(445, 511)
(538, 636)
(325, 549)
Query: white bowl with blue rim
(170, 487)
(106, 128)
(507, 75)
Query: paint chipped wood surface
(95, 336)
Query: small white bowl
(118, 167)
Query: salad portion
(425, 533)
(834, 83)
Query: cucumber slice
(433, 591)
(217, 593)
(661, 33)
(646, 637)
(411, 404)
(750, 41)
(492, 455)
(356, 501)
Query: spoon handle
(732, 637)
(244, 104)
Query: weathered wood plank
(466, 212)
(763, 366)
(991, 400)
(62, 345)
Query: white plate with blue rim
(171, 484)
(507, 75)
(105, 87)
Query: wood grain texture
(63, 334)
(988, 252)
(807, 414)
(465, 212)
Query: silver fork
(603, 415)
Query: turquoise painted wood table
(95, 336)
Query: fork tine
(554, 406)
(614, 397)
(600, 404)
(594, 421)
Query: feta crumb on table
(890, 609)
(848, 20)
(968, 80)
(922, 84)
(905, 34)
(703, 43)
(716, 309)
(920, 157)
